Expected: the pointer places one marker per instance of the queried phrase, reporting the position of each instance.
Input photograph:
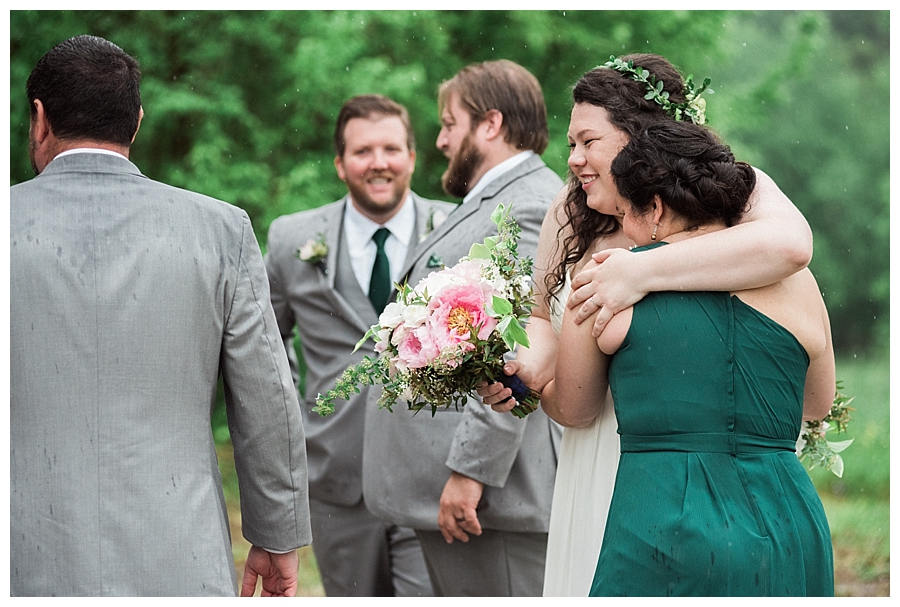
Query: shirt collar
(89, 151)
(496, 171)
(401, 225)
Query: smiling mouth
(586, 181)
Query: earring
(653, 235)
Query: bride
(772, 242)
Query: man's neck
(493, 156)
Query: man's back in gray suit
(128, 298)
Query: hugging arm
(772, 242)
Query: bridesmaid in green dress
(709, 391)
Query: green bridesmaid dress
(710, 498)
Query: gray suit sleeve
(284, 314)
(263, 412)
(486, 443)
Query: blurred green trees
(240, 105)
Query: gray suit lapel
(344, 291)
(493, 190)
(424, 248)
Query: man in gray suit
(326, 280)
(128, 298)
(476, 486)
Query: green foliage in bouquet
(814, 449)
(450, 333)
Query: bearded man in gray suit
(326, 280)
(128, 298)
(476, 486)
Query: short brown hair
(511, 90)
(364, 106)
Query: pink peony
(454, 310)
(416, 350)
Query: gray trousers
(495, 563)
(359, 555)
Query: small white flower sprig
(314, 251)
(812, 446)
(695, 106)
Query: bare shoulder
(796, 304)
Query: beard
(458, 176)
(375, 208)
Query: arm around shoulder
(773, 241)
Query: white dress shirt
(359, 230)
(496, 171)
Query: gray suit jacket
(408, 458)
(332, 314)
(128, 298)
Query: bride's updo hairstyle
(689, 168)
(623, 99)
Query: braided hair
(689, 168)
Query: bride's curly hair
(628, 110)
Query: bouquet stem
(528, 400)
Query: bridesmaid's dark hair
(628, 110)
(689, 168)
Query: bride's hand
(498, 396)
(608, 284)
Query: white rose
(436, 281)
(415, 315)
(392, 315)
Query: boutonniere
(314, 251)
(434, 262)
(435, 219)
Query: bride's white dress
(588, 458)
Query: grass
(857, 505)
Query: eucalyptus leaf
(501, 306)
(516, 333)
(479, 251)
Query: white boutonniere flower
(435, 219)
(314, 251)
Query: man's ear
(493, 123)
(339, 167)
(40, 125)
(140, 117)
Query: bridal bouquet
(812, 447)
(449, 333)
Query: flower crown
(694, 108)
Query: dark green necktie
(380, 284)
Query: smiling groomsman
(331, 271)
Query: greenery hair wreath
(695, 106)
